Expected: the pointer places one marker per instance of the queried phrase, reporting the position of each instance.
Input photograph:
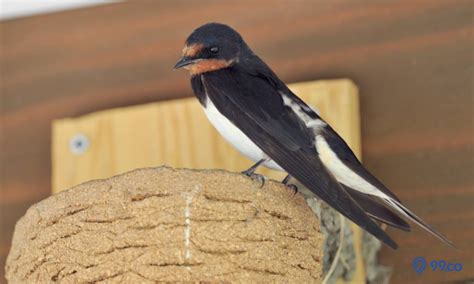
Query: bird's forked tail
(417, 220)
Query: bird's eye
(214, 50)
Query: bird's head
(211, 47)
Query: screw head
(79, 144)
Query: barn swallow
(256, 112)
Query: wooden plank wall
(412, 60)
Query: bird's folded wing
(377, 209)
(346, 156)
(256, 108)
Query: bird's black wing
(257, 109)
(257, 68)
(345, 154)
(377, 209)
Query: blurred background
(411, 60)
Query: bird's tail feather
(413, 217)
(378, 209)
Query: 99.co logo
(419, 265)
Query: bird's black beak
(184, 61)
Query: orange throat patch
(208, 65)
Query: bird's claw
(248, 172)
(256, 177)
(286, 181)
(293, 187)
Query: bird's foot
(256, 177)
(292, 187)
(286, 181)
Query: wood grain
(412, 61)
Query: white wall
(10, 9)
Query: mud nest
(161, 224)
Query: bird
(256, 112)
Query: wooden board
(412, 61)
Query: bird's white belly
(236, 137)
